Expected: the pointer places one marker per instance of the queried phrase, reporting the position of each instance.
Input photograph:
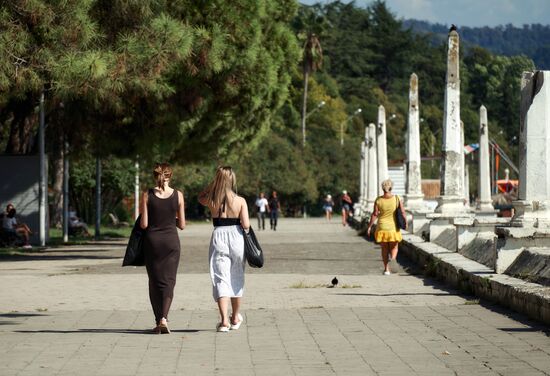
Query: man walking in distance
(274, 207)
(261, 208)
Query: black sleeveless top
(217, 222)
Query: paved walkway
(75, 311)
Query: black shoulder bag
(134, 250)
(399, 219)
(252, 250)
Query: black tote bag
(399, 219)
(252, 250)
(134, 250)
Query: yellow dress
(386, 229)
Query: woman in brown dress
(162, 209)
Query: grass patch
(304, 285)
(107, 232)
(348, 286)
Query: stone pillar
(485, 202)
(362, 172)
(533, 205)
(466, 186)
(531, 222)
(414, 199)
(462, 161)
(381, 149)
(372, 170)
(365, 173)
(451, 199)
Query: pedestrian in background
(346, 203)
(226, 254)
(274, 207)
(162, 210)
(328, 204)
(387, 234)
(261, 209)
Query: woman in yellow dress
(387, 234)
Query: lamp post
(319, 105)
(358, 111)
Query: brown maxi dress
(161, 247)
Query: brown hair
(162, 172)
(223, 183)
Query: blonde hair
(224, 183)
(387, 185)
(162, 173)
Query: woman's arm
(373, 217)
(243, 215)
(402, 208)
(181, 211)
(144, 219)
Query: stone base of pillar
(419, 223)
(443, 231)
(485, 207)
(476, 238)
(414, 202)
(531, 214)
(451, 205)
(357, 210)
(514, 240)
(486, 213)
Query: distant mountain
(530, 40)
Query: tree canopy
(205, 83)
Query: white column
(362, 173)
(533, 206)
(413, 197)
(485, 202)
(452, 191)
(381, 149)
(463, 160)
(365, 171)
(372, 170)
(466, 186)
(136, 191)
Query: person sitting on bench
(11, 225)
(76, 224)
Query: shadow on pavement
(46, 257)
(402, 294)
(107, 331)
(17, 314)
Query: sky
(467, 12)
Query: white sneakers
(238, 324)
(224, 329)
(387, 272)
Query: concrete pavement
(75, 311)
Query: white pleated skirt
(227, 262)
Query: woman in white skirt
(229, 213)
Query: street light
(319, 105)
(358, 111)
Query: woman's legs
(235, 308)
(223, 305)
(385, 252)
(393, 247)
